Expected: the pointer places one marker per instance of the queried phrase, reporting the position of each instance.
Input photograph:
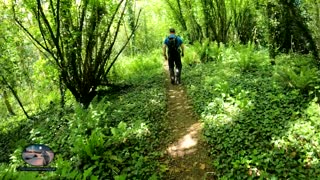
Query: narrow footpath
(186, 154)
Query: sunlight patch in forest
(301, 137)
(228, 110)
(187, 144)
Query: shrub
(249, 60)
(298, 73)
(191, 57)
(208, 51)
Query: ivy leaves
(256, 127)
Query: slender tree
(243, 20)
(15, 60)
(288, 30)
(7, 103)
(4, 81)
(195, 30)
(176, 8)
(79, 36)
(131, 21)
(217, 21)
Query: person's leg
(178, 69)
(171, 68)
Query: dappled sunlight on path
(187, 144)
(186, 153)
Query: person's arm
(182, 49)
(164, 51)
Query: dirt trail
(186, 154)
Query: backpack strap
(173, 47)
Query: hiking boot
(172, 80)
(178, 74)
(178, 81)
(172, 76)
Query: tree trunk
(317, 18)
(16, 97)
(7, 103)
(272, 53)
(62, 92)
(195, 33)
(131, 14)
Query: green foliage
(260, 121)
(299, 73)
(217, 19)
(80, 38)
(208, 51)
(190, 57)
(12, 132)
(47, 76)
(256, 127)
(115, 137)
(249, 59)
(140, 68)
(311, 11)
(244, 20)
(17, 56)
(147, 38)
(288, 29)
(202, 50)
(245, 58)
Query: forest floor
(186, 153)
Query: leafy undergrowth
(260, 121)
(115, 138)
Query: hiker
(46, 158)
(173, 43)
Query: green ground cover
(117, 136)
(260, 120)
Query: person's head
(172, 31)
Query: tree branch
(49, 28)
(34, 40)
(108, 51)
(104, 38)
(41, 28)
(123, 47)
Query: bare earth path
(186, 155)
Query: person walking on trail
(175, 46)
(46, 158)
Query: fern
(202, 49)
(298, 75)
(215, 51)
(248, 59)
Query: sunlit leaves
(254, 126)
